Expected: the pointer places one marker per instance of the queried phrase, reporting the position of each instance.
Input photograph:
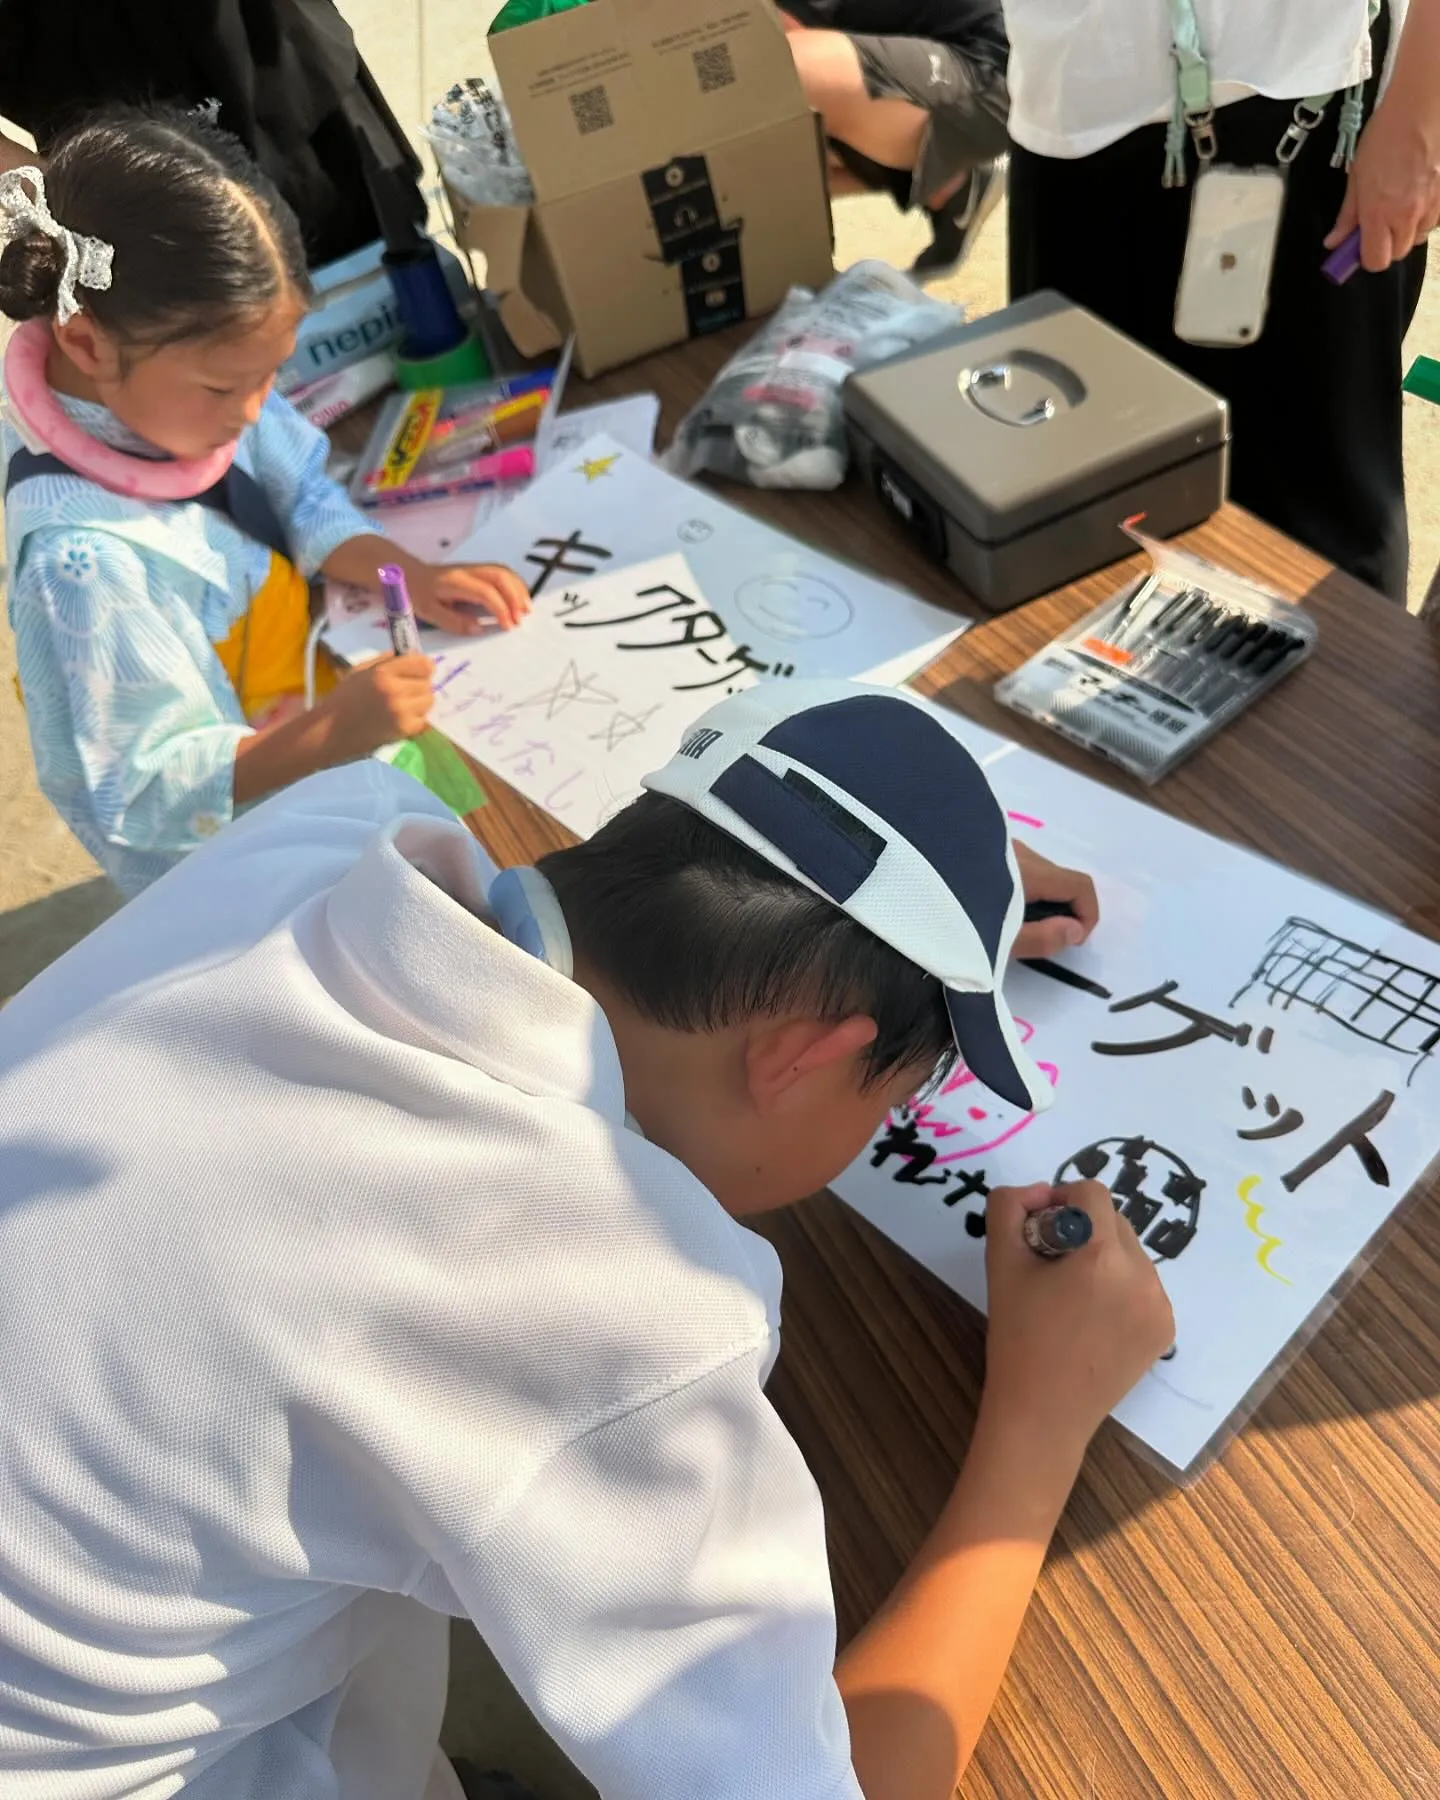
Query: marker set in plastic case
(1151, 674)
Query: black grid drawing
(1384, 1001)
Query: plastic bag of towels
(772, 417)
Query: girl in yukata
(165, 510)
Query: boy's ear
(87, 345)
(783, 1058)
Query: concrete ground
(51, 893)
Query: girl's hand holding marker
(459, 597)
(455, 596)
(387, 699)
(392, 696)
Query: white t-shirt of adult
(338, 1298)
(1084, 73)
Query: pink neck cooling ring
(42, 416)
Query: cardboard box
(679, 177)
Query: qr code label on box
(715, 67)
(591, 107)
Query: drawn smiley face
(794, 606)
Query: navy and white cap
(864, 796)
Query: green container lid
(528, 12)
(1424, 379)
(466, 362)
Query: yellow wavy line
(1253, 1210)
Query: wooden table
(1270, 1631)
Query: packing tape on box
(686, 218)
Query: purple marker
(399, 614)
(1344, 260)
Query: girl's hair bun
(30, 271)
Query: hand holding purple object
(399, 614)
(1343, 261)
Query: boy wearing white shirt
(370, 1228)
(1315, 398)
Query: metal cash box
(1014, 448)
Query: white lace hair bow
(88, 261)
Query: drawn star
(595, 466)
(622, 726)
(572, 688)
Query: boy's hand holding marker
(1061, 906)
(1069, 1334)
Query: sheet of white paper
(796, 611)
(591, 694)
(1228, 1152)
(630, 422)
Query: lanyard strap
(1194, 108)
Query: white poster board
(795, 610)
(594, 691)
(1251, 1061)
(653, 600)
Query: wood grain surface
(1270, 1630)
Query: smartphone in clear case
(1229, 253)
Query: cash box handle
(983, 386)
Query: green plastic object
(434, 761)
(466, 362)
(1424, 379)
(528, 12)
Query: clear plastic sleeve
(773, 417)
(1155, 672)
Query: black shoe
(955, 225)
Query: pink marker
(505, 465)
(399, 614)
(437, 483)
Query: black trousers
(1315, 402)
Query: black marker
(1197, 604)
(1223, 638)
(1177, 618)
(1043, 965)
(1125, 616)
(1252, 649)
(1037, 910)
(1181, 614)
(1280, 646)
(1230, 658)
(1209, 622)
(1168, 616)
(1057, 1230)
